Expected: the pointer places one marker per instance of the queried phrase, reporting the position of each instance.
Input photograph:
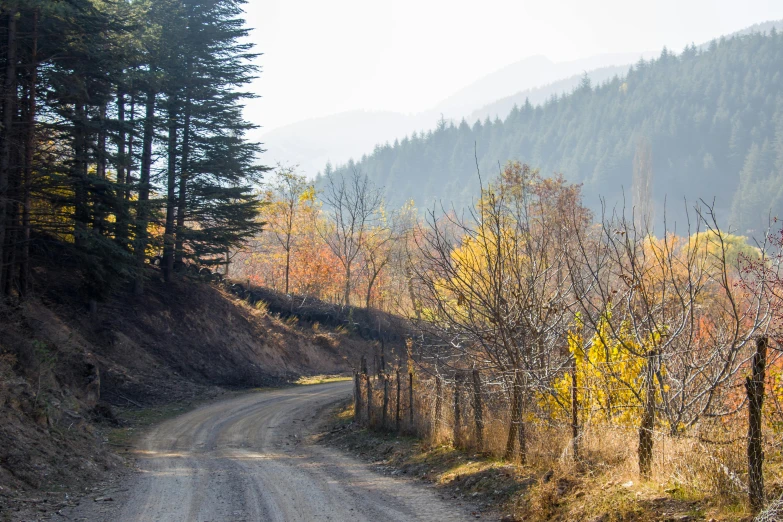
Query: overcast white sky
(326, 56)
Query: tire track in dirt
(249, 458)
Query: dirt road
(248, 458)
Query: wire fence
(733, 455)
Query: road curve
(248, 458)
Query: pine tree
(94, 91)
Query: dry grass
(321, 379)
(699, 475)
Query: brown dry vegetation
(605, 487)
(64, 372)
(699, 475)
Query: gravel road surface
(249, 458)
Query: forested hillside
(538, 95)
(712, 120)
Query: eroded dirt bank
(65, 370)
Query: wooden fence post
(516, 429)
(385, 399)
(478, 410)
(410, 393)
(438, 401)
(755, 390)
(357, 398)
(648, 418)
(383, 357)
(457, 412)
(397, 417)
(369, 399)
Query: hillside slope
(597, 74)
(527, 74)
(336, 138)
(63, 369)
(713, 119)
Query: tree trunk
(438, 401)
(9, 108)
(397, 416)
(516, 429)
(287, 267)
(385, 400)
(100, 168)
(347, 297)
(121, 227)
(24, 268)
(357, 397)
(754, 387)
(478, 410)
(411, 293)
(457, 413)
(13, 220)
(121, 136)
(371, 283)
(131, 140)
(179, 253)
(410, 397)
(142, 214)
(369, 399)
(79, 177)
(574, 412)
(171, 198)
(648, 420)
(99, 207)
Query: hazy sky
(327, 56)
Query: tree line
(123, 137)
(713, 118)
(340, 244)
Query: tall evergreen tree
(111, 112)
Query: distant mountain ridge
(527, 74)
(336, 138)
(339, 137)
(713, 119)
(601, 73)
(503, 106)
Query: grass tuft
(321, 379)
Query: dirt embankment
(63, 369)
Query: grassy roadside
(503, 491)
(321, 379)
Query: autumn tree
(664, 320)
(285, 196)
(380, 247)
(352, 204)
(496, 288)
